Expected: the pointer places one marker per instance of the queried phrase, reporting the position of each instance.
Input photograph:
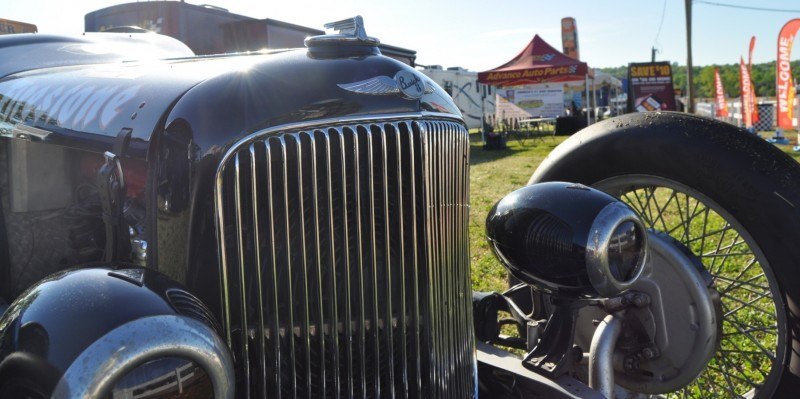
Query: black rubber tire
(752, 180)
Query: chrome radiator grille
(344, 256)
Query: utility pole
(653, 52)
(689, 83)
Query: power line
(660, 24)
(712, 3)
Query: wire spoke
(719, 248)
(735, 284)
(729, 364)
(738, 367)
(705, 229)
(661, 210)
(727, 248)
(746, 305)
(727, 378)
(683, 223)
(715, 232)
(765, 329)
(646, 208)
(747, 334)
(726, 255)
(742, 351)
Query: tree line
(763, 76)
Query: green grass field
(493, 174)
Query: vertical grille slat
(415, 283)
(286, 284)
(403, 322)
(317, 333)
(257, 225)
(345, 268)
(373, 249)
(362, 311)
(242, 263)
(276, 360)
(386, 287)
(299, 206)
(330, 333)
(344, 260)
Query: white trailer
(473, 99)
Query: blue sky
(480, 35)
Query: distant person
(487, 126)
(679, 105)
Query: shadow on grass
(478, 155)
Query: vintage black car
(294, 224)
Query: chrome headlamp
(568, 239)
(616, 249)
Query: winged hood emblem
(405, 83)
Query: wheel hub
(669, 343)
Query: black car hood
(222, 97)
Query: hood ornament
(348, 31)
(405, 83)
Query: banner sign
(753, 106)
(533, 75)
(722, 105)
(650, 87)
(531, 102)
(747, 93)
(783, 74)
(569, 38)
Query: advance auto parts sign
(532, 101)
(650, 87)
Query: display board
(650, 87)
(530, 102)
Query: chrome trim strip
(403, 324)
(415, 241)
(93, 373)
(262, 347)
(333, 286)
(316, 204)
(275, 301)
(245, 357)
(388, 318)
(289, 267)
(362, 332)
(223, 257)
(306, 319)
(374, 263)
(346, 234)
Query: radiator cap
(349, 38)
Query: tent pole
(586, 81)
(483, 113)
(594, 99)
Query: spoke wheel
(753, 329)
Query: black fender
(51, 324)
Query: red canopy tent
(539, 62)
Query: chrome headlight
(568, 239)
